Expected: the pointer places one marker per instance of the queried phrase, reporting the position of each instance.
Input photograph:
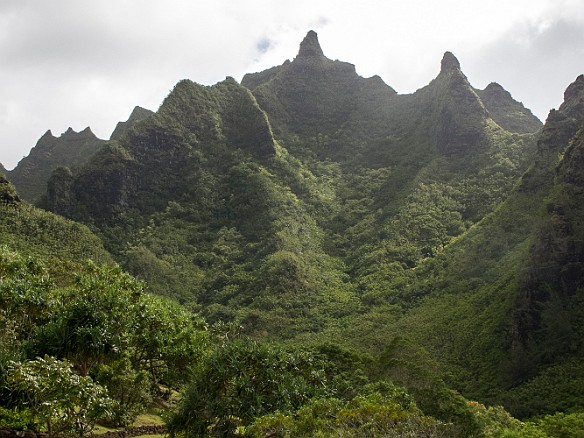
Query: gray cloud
(535, 62)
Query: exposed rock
(461, 114)
(449, 63)
(573, 105)
(310, 47)
(315, 95)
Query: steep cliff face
(327, 105)
(547, 316)
(459, 115)
(502, 305)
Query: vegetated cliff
(501, 306)
(138, 114)
(71, 149)
(507, 112)
(413, 171)
(31, 231)
(294, 229)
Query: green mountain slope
(138, 114)
(71, 149)
(286, 207)
(61, 243)
(508, 113)
(201, 201)
(311, 204)
(410, 172)
(500, 306)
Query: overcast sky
(79, 63)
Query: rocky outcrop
(310, 47)
(314, 95)
(460, 114)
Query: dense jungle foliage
(307, 253)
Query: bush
(242, 381)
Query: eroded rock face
(310, 47)
(461, 114)
(449, 63)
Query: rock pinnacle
(449, 62)
(310, 47)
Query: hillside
(499, 307)
(411, 172)
(138, 114)
(61, 243)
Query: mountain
(439, 231)
(500, 307)
(2, 169)
(138, 114)
(198, 198)
(507, 112)
(313, 95)
(71, 149)
(439, 151)
(285, 201)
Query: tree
(240, 382)
(65, 401)
(95, 321)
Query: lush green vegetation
(313, 255)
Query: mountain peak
(71, 134)
(573, 105)
(449, 62)
(310, 47)
(138, 114)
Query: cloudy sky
(79, 63)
